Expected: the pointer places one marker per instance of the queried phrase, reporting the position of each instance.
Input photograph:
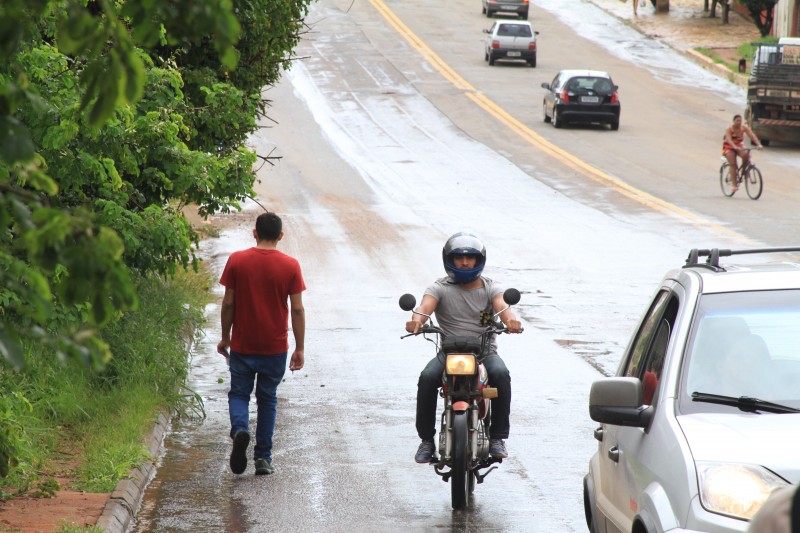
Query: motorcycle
(464, 432)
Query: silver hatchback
(701, 421)
(510, 40)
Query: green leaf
(10, 348)
(16, 144)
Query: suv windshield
(743, 344)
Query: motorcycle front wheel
(461, 476)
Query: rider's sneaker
(264, 467)
(497, 448)
(425, 451)
(239, 452)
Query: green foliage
(762, 12)
(114, 116)
(747, 50)
(102, 412)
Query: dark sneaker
(497, 448)
(264, 467)
(239, 453)
(425, 451)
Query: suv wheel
(532, 61)
(491, 58)
(544, 113)
(614, 124)
(524, 15)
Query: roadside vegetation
(731, 60)
(91, 422)
(115, 117)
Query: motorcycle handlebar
(427, 328)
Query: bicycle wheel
(753, 182)
(725, 180)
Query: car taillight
(532, 46)
(563, 96)
(495, 44)
(614, 98)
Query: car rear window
(514, 30)
(590, 83)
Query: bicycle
(749, 174)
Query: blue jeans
(269, 369)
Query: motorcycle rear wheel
(461, 477)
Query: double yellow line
(538, 141)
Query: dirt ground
(685, 27)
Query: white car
(699, 424)
(511, 40)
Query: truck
(773, 91)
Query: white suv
(702, 420)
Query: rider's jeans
(266, 372)
(431, 379)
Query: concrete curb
(120, 510)
(716, 68)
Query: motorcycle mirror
(510, 296)
(407, 302)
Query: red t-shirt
(262, 281)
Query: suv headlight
(460, 364)
(736, 490)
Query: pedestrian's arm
(427, 306)
(226, 315)
(508, 317)
(298, 314)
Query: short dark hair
(736, 116)
(268, 226)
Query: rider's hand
(412, 326)
(514, 326)
(759, 147)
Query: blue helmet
(463, 244)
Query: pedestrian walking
(255, 316)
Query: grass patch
(731, 61)
(58, 415)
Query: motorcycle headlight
(460, 364)
(736, 490)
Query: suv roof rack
(714, 254)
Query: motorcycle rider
(463, 303)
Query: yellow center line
(540, 142)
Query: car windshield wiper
(745, 403)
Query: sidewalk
(686, 27)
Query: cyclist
(733, 145)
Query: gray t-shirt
(458, 311)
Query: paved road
(395, 133)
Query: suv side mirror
(486, 31)
(546, 86)
(619, 401)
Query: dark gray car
(520, 7)
(581, 96)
